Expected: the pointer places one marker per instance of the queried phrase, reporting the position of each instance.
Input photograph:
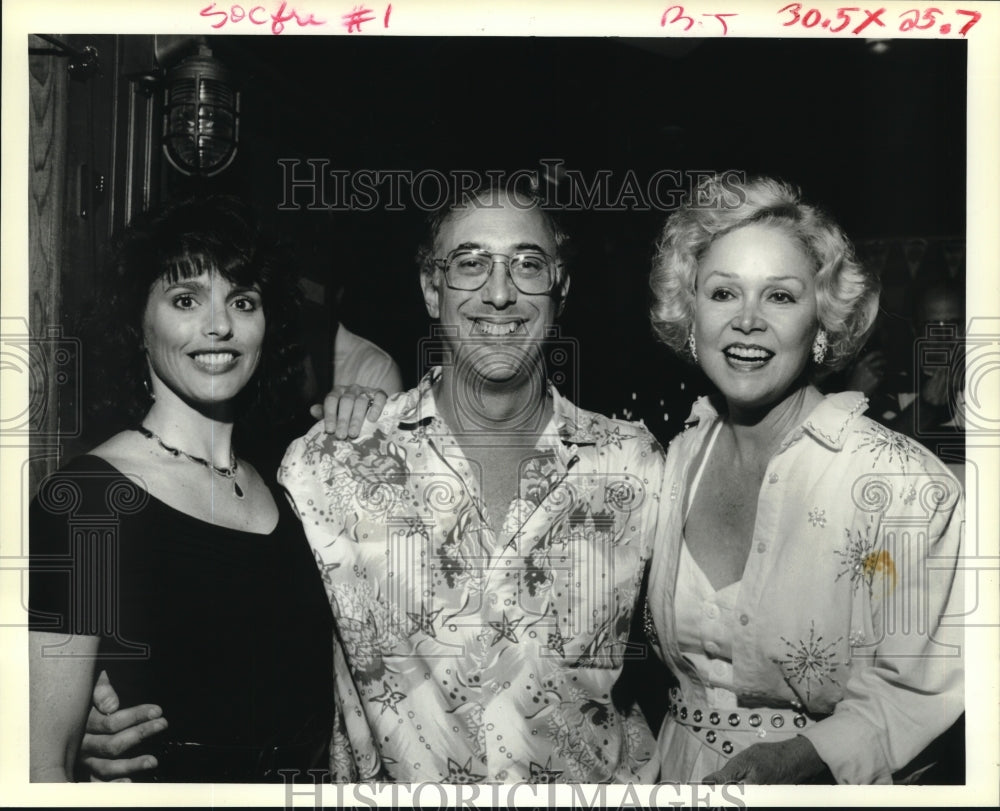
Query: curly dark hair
(220, 234)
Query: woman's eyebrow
(187, 284)
(241, 289)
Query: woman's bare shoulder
(128, 451)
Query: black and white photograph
(415, 404)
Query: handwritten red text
(259, 15)
(919, 19)
(675, 16)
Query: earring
(692, 347)
(147, 385)
(820, 345)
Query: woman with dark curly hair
(191, 582)
(798, 588)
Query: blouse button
(762, 547)
(711, 611)
(744, 619)
(773, 478)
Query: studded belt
(711, 724)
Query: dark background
(873, 132)
(876, 138)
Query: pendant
(237, 490)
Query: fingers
(345, 408)
(121, 721)
(118, 771)
(330, 403)
(379, 399)
(345, 413)
(104, 697)
(736, 770)
(109, 747)
(726, 774)
(334, 404)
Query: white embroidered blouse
(849, 607)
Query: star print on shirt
(543, 774)
(615, 437)
(505, 629)
(557, 642)
(424, 621)
(325, 568)
(462, 774)
(389, 699)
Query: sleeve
(385, 376)
(911, 688)
(354, 754)
(309, 474)
(366, 364)
(653, 464)
(50, 563)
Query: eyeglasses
(531, 272)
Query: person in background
(782, 591)
(357, 361)
(939, 329)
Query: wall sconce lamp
(201, 112)
(82, 63)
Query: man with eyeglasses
(482, 542)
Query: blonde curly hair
(847, 294)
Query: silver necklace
(225, 472)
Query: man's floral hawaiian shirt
(464, 656)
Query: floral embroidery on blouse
(817, 517)
(897, 448)
(809, 660)
(855, 557)
(471, 655)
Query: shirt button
(712, 648)
(711, 611)
(762, 548)
(773, 478)
(744, 619)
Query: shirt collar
(828, 423)
(420, 407)
(572, 424)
